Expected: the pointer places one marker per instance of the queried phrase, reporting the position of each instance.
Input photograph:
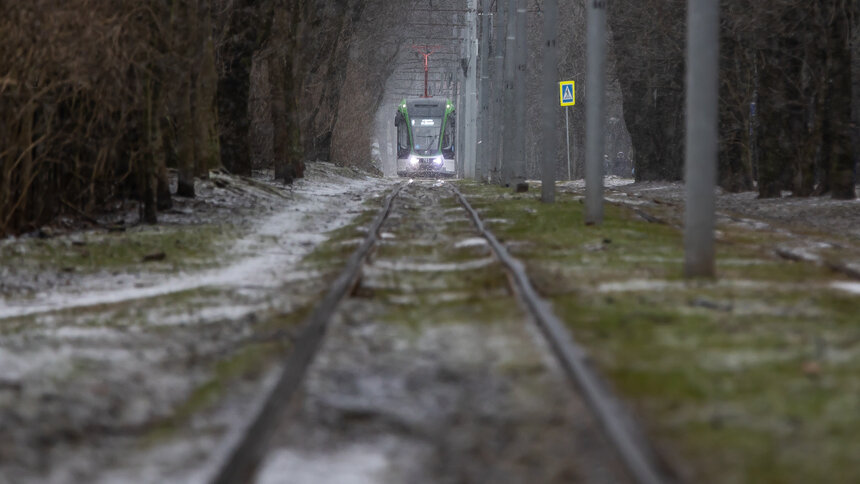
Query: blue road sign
(567, 93)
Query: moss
(246, 362)
(450, 252)
(191, 247)
(475, 310)
(341, 243)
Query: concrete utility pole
(498, 109)
(484, 95)
(550, 93)
(460, 141)
(703, 57)
(471, 91)
(595, 112)
(518, 180)
(509, 141)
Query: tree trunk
(159, 156)
(184, 125)
(278, 118)
(781, 110)
(648, 42)
(207, 152)
(237, 52)
(147, 186)
(25, 143)
(837, 115)
(812, 79)
(736, 86)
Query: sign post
(567, 96)
(567, 131)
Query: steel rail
(628, 439)
(239, 454)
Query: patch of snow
(201, 315)
(852, 287)
(741, 262)
(272, 250)
(77, 332)
(625, 201)
(656, 188)
(357, 464)
(649, 258)
(432, 266)
(735, 360)
(801, 253)
(435, 297)
(471, 242)
(638, 285)
(617, 181)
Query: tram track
(638, 456)
(246, 444)
(236, 458)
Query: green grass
(246, 361)
(752, 378)
(185, 248)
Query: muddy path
(431, 373)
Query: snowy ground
(751, 377)
(431, 373)
(815, 229)
(94, 360)
(99, 362)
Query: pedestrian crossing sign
(567, 91)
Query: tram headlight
(438, 161)
(413, 160)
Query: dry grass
(84, 97)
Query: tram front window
(426, 132)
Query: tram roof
(426, 107)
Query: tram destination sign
(567, 93)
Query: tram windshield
(426, 132)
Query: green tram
(425, 137)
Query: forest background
(99, 99)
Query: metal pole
(461, 124)
(484, 120)
(703, 50)
(567, 130)
(508, 145)
(471, 91)
(550, 92)
(518, 173)
(595, 112)
(498, 88)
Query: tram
(425, 137)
